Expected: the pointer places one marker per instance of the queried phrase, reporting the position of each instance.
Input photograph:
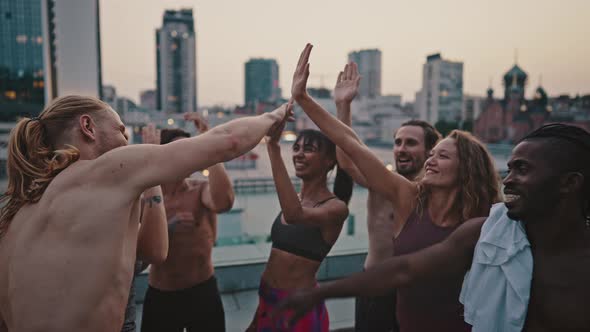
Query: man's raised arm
(218, 195)
(142, 166)
(345, 91)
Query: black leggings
(198, 308)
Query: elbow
(159, 257)
(225, 204)
(223, 208)
(230, 148)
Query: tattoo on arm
(157, 199)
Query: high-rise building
(71, 47)
(21, 59)
(147, 99)
(262, 81)
(441, 97)
(369, 65)
(176, 62)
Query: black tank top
(301, 240)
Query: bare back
(560, 293)
(192, 232)
(69, 257)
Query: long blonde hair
(33, 158)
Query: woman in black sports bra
(304, 232)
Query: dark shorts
(198, 308)
(375, 314)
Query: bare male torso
(381, 229)
(77, 243)
(192, 232)
(560, 292)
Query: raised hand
(275, 132)
(198, 120)
(297, 305)
(299, 85)
(150, 135)
(285, 112)
(347, 85)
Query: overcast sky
(551, 38)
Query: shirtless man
(70, 220)
(182, 290)
(413, 142)
(548, 189)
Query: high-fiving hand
(274, 134)
(299, 85)
(347, 85)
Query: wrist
(301, 96)
(342, 103)
(273, 146)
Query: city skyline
(483, 37)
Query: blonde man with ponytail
(69, 221)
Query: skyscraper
(262, 81)
(441, 97)
(71, 47)
(176, 62)
(369, 64)
(147, 99)
(21, 59)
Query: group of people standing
(84, 213)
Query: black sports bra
(301, 240)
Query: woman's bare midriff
(288, 271)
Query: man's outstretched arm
(142, 166)
(345, 91)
